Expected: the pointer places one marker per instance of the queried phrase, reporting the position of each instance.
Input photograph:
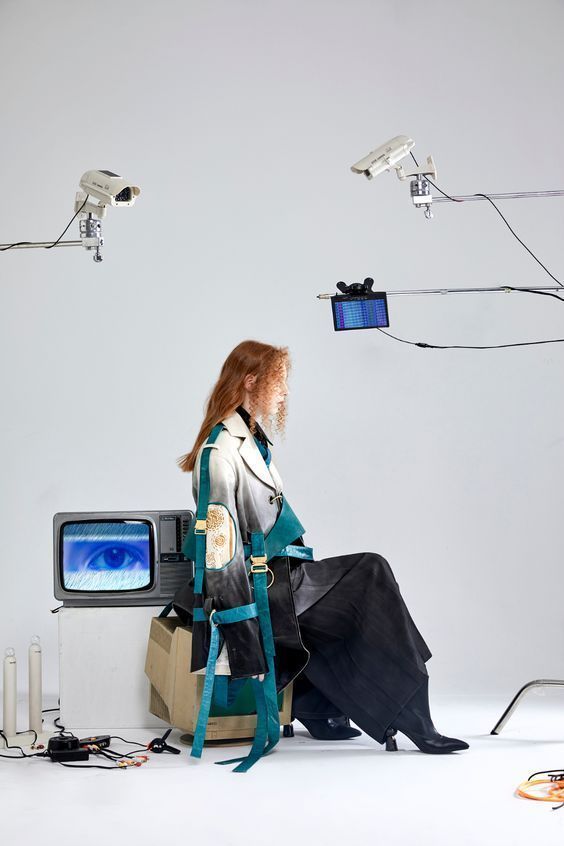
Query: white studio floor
(306, 791)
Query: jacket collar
(250, 452)
(259, 431)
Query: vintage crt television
(119, 557)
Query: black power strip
(66, 749)
(102, 741)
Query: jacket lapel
(249, 451)
(275, 475)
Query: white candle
(35, 689)
(10, 693)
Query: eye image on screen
(112, 556)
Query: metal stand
(492, 289)
(31, 245)
(519, 696)
(513, 195)
(90, 237)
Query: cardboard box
(176, 692)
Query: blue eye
(113, 558)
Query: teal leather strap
(207, 693)
(199, 615)
(292, 550)
(286, 529)
(230, 615)
(279, 539)
(278, 542)
(226, 690)
(296, 551)
(198, 534)
(266, 698)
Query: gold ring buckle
(201, 527)
(258, 564)
(261, 567)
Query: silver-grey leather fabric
(236, 465)
(242, 483)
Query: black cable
(531, 291)
(489, 199)
(134, 742)
(462, 347)
(14, 746)
(132, 754)
(558, 773)
(110, 754)
(27, 732)
(57, 724)
(89, 766)
(107, 753)
(54, 244)
(17, 244)
(50, 247)
(555, 775)
(538, 261)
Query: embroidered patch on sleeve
(220, 538)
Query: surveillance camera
(108, 187)
(384, 157)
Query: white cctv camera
(108, 187)
(387, 156)
(384, 157)
(110, 190)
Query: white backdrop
(240, 119)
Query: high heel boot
(332, 728)
(414, 720)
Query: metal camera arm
(91, 224)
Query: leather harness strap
(257, 554)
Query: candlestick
(35, 686)
(10, 693)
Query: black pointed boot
(414, 720)
(332, 728)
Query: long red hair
(264, 361)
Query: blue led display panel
(367, 311)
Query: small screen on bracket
(367, 311)
(113, 555)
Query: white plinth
(101, 666)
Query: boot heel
(391, 745)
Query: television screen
(108, 555)
(367, 311)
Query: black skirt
(367, 657)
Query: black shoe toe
(330, 729)
(437, 744)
